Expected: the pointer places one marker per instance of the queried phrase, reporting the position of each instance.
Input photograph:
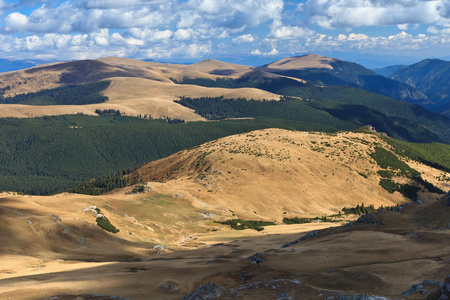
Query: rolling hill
(52, 247)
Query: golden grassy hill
(309, 61)
(271, 174)
(51, 246)
(137, 88)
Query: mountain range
(306, 178)
(432, 77)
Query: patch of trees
(409, 191)
(402, 120)
(102, 184)
(298, 220)
(71, 95)
(104, 223)
(108, 112)
(435, 155)
(239, 224)
(326, 115)
(362, 209)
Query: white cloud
(291, 32)
(183, 34)
(16, 22)
(357, 37)
(195, 50)
(194, 28)
(273, 52)
(402, 26)
(246, 38)
(103, 4)
(357, 13)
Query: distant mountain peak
(308, 61)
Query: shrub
(385, 174)
(388, 185)
(239, 224)
(104, 223)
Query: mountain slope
(388, 71)
(325, 71)
(52, 247)
(273, 173)
(431, 77)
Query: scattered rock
(205, 292)
(444, 293)
(305, 237)
(256, 258)
(285, 296)
(447, 197)
(84, 297)
(419, 287)
(171, 286)
(159, 247)
(370, 219)
(91, 209)
(357, 297)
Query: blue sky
(371, 32)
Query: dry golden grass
(271, 174)
(138, 87)
(309, 61)
(49, 246)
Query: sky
(252, 32)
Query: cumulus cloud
(67, 29)
(273, 52)
(183, 34)
(291, 32)
(246, 38)
(16, 22)
(357, 13)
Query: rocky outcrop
(305, 237)
(205, 292)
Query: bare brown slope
(384, 256)
(274, 173)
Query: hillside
(268, 167)
(388, 71)
(52, 247)
(137, 87)
(330, 72)
(431, 77)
